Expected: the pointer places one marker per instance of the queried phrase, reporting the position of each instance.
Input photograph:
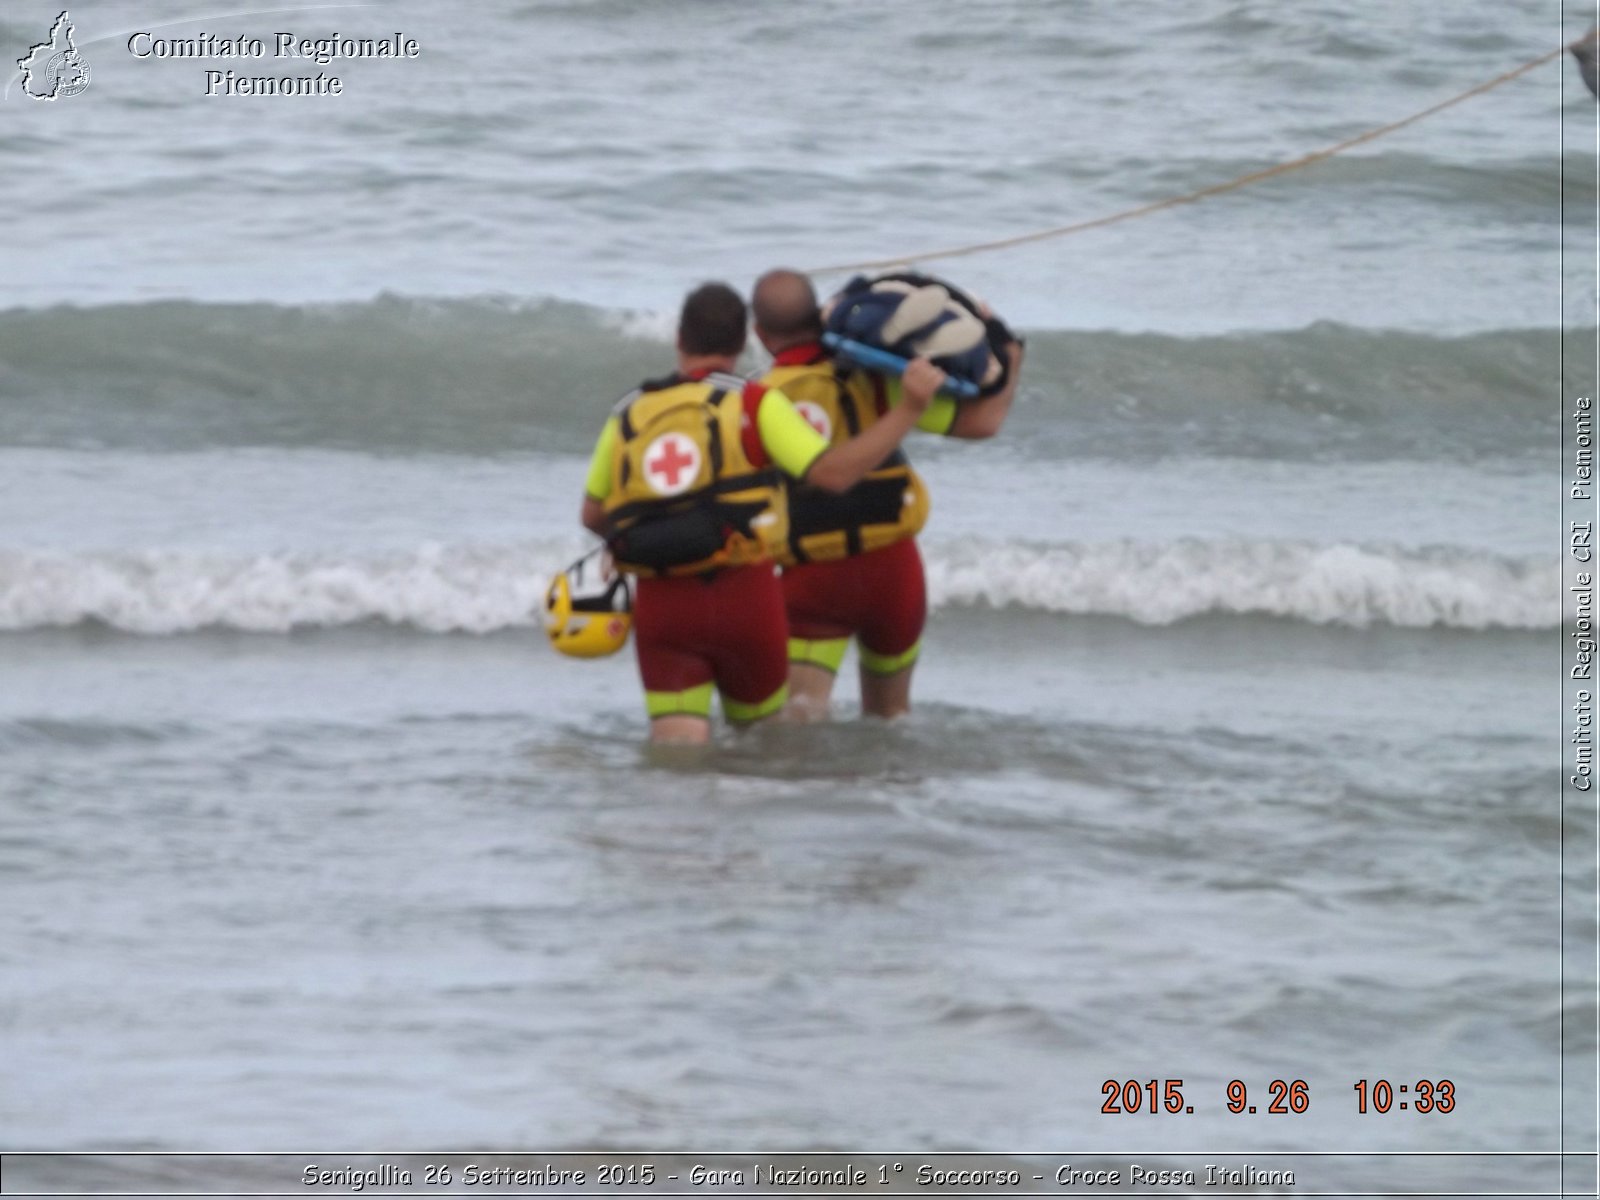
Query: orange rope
(1215, 189)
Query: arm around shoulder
(844, 465)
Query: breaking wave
(483, 589)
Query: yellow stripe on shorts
(691, 702)
(744, 713)
(826, 653)
(889, 664)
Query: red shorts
(726, 628)
(879, 596)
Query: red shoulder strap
(749, 430)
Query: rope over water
(1583, 44)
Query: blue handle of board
(874, 359)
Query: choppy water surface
(1236, 740)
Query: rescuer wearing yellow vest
(850, 560)
(686, 485)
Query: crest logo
(53, 69)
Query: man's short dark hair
(785, 305)
(713, 321)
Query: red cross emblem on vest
(816, 416)
(671, 464)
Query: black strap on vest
(847, 402)
(710, 496)
(627, 432)
(813, 510)
(713, 433)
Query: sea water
(1236, 731)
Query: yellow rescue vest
(686, 496)
(890, 503)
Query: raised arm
(982, 418)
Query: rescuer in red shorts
(686, 486)
(851, 567)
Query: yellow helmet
(588, 621)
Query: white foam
(484, 588)
(643, 324)
(1325, 584)
(435, 588)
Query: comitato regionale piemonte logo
(55, 68)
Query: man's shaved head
(785, 309)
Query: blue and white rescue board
(874, 359)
